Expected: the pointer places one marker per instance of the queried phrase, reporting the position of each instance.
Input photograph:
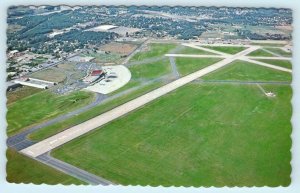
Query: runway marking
(87, 126)
(65, 136)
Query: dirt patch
(285, 27)
(20, 93)
(51, 74)
(66, 66)
(120, 48)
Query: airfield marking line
(261, 88)
(266, 65)
(174, 67)
(205, 49)
(222, 45)
(72, 170)
(194, 56)
(269, 58)
(270, 52)
(241, 82)
(87, 126)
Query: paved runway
(20, 141)
(194, 56)
(266, 65)
(81, 129)
(40, 151)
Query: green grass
(188, 65)
(131, 84)
(268, 44)
(282, 63)
(280, 52)
(260, 52)
(198, 135)
(97, 110)
(155, 50)
(21, 169)
(226, 49)
(245, 71)
(150, 70)
(42, 106)
(188, 50)
(19, 93)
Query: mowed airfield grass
(154, 146)
(22, 169)
(150, 70)
(186, 66)
(226, 49)
(197, 135)
(245, 71)
(281, 63)
(42, 106)
(260, 52)
(155, 50)
(188, 50)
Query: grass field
(47, 74)
(21, 169)
(280, 52)
(186, 66)
(150, 70)
(22, 92)
(131, 84)
(154, 51)
(198, 135)
(226, 49)
(97, 110)
(282, 63)
(42, 106)
(188, 50)
(260, 52)
(241, 70)
(268, 44)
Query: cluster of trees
(266, 36)
(34, 34)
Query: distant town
(40, 37)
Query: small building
(94, 76)
(96, 72)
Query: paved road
(266, 65)
(174, 67)
(138, 49)
(207, 50)
(72, 170)
(269, 58)
(85, 127)
(270, 52)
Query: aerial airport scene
(159, 96)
